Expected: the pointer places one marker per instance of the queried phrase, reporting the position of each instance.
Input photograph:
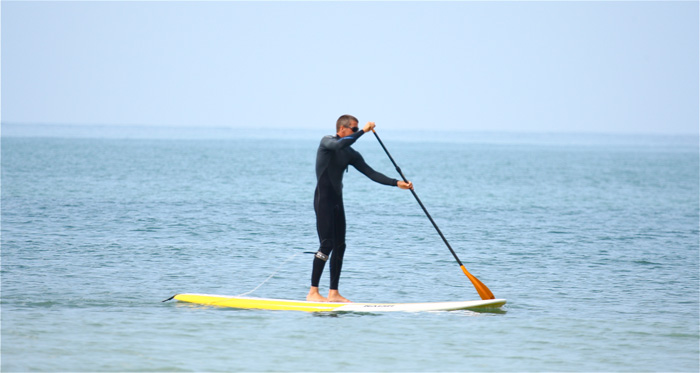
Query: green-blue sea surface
(592, 239)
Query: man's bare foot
(315, 296)
(334, 296)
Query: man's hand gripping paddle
(483, 291)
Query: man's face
(347, 131)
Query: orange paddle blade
(483, 291)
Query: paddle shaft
(398, 169)
(483, 291)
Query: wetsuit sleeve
(359, 163)
(336, 143)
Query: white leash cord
(272, 275)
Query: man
(332, 159)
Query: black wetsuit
(332, 159)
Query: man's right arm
(334, 143)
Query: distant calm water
(593, 239)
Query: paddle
(483, 291)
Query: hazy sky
(602, 66)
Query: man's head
(346, 121)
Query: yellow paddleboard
(297, 305)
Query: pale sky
(545, 66)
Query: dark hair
(345, 121)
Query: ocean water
(593, 239)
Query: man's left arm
(362, 166)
